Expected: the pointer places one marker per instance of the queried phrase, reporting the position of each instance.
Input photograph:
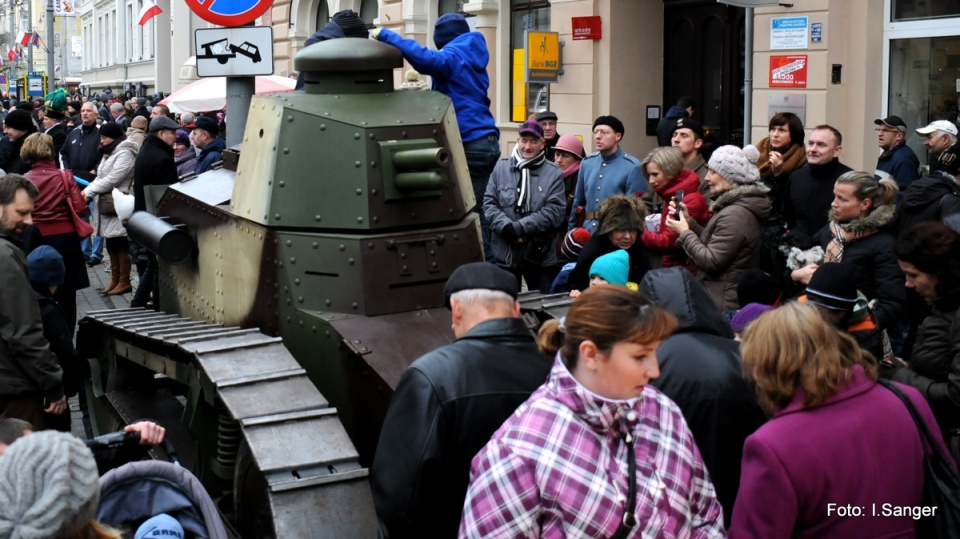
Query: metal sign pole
(51, 75)
(239, 94)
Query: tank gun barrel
(172, 245)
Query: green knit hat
(55, 103)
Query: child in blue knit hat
(612, 268)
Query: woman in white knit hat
(731, 242)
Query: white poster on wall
(788, 33)
(76, 46)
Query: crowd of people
(743, 323)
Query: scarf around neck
(524, 166)
(793, 158)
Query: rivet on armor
(300, 299)
(360, 219)
(281, 183)
(328, 303)
(317, 217)
(350, 261)
(343, 247)
(286, 150)
(375, 219)
(355, 305)
(405, 268)
(315, 245)
(359, 192)
(323, 127)
(373, 192)
(313, 329)
(357, 164)
(290, 118)
(289, 243)
(403, 255)
(296, 282)
(356, 136)
(276, 216)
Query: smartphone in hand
(679, 199)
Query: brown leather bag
(105, 204)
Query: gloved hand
(375, 33)
(509, 234)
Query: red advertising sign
(586, 27)
(788, 71)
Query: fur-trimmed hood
(621, 212)
(738, 192)
(875, 220)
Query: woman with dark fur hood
(731, 241)
(856, 235)
(620, 223)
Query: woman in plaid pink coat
(595, 452)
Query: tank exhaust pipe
(170, 244)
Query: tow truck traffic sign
(247, 50)
(229, 12)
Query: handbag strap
(926, 438)
(629, 516)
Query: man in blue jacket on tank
(459, 71)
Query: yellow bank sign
(543, 56)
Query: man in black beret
(450, 402)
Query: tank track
(268, 415)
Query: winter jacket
(879, 276)
(445, 409)
(668, 124)
(730, 243)
(858, 448)
(187, 162)
(331, 30)
(50, 212)
(899, 164)
(665, 241)
(56, 331)
(14, 164)
(59, 134)
(153, 166)
(115, 171)
(459, 71)
(935, 364)
(210, 154)
(701, 370)
(547, 207)
(558, 468)
(931, 198)
(27, 366)
(601, 177)
(80, 153)
(599, 245)
(809, 194)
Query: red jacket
(665, 241)
(50, 209)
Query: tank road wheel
(250, 502)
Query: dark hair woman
(663, 168)
(836, 439)
(929, 254)
(781, 152)
(861, 210)
(595, 448)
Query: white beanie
(735, 165)
(48, 486)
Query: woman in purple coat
(841, 456)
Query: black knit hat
(19, 119)
(834, 286)
(111, 129)
(611, 121)
(351, 24)
(755, 286)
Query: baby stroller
(137, 491)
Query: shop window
(526, 99)
(369, 10)
(323, 14)
(924, 78)
(908, 10)
(450, 6)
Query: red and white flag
(149, 11)
(25, 38)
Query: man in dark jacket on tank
(154, 166)
(450, 402)
(700, 370)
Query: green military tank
(298, 281)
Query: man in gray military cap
(450, 402)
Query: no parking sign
(229, 12)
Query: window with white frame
(922, 64)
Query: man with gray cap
(897, 162)
(449, 403)
(154, 166)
